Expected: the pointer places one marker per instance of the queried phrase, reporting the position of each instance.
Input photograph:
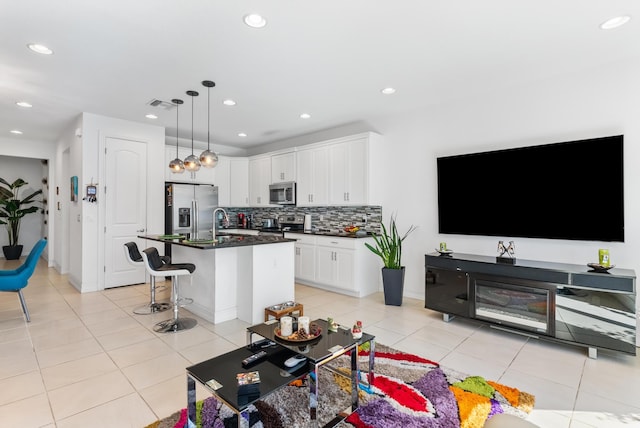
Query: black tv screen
(570, 190)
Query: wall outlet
(364, 218)
(321, 217)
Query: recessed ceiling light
(229, 102)
(388, 91)
(242, 134)
(23, 104)
(41, 49)
(305, 116)
(151, 116)
(616, 22)
(254, 20)
(16, 131)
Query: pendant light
(192, 163)
(176, 165)
(208, 158)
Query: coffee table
(218, 376)
(319, 352)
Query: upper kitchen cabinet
(223, 181)
(312, 176)
(259, 180)
(203, 176)
(283, 167)
(337, 172)
(349, 172)
(239, 185)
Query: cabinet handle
(312, 197)
(347, 196)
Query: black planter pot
(393, 284)
(12, 252)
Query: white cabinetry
(259, 180)
(223, 181)
(348, 172)
(312, 176)
(239, 182)
(335, 263)
(305, 265)
(337, 172)
(343, 265)
(283, 167)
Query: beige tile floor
(87, 360)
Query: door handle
(140, 230)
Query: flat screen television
(571, 190)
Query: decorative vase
(393, 284)
(12, 252)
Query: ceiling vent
(163, 104)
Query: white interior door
(126, 208)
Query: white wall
(95, 129)
(585, 105)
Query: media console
(552, 301)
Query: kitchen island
(236, 276)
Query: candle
(286, 326)
(303, 322)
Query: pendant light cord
(177, 108)
(192, 125)
(208, 117)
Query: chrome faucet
(225, 218)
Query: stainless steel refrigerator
(189, 209)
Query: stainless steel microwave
(282, 193)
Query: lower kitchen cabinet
(343, 265)
(305, 262)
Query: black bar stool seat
(155, 267)
(134, 258)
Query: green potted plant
(12, 210)
(388, 246)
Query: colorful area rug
(407, 391)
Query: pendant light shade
(176, 165)
(192, 162)
(208, 158)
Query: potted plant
(12, 210)
(389, 248)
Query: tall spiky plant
(389, 244)
(13, 209)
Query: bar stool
(134, 257)
(155, 267)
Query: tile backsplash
(367, 217)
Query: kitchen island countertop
(223, 240)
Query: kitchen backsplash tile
(333, 218)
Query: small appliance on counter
(307, 223)
(242, 221)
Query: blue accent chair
(15, 280)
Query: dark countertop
(332, 233)
(223, 240)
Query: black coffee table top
(225, 367)
(317, 349)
